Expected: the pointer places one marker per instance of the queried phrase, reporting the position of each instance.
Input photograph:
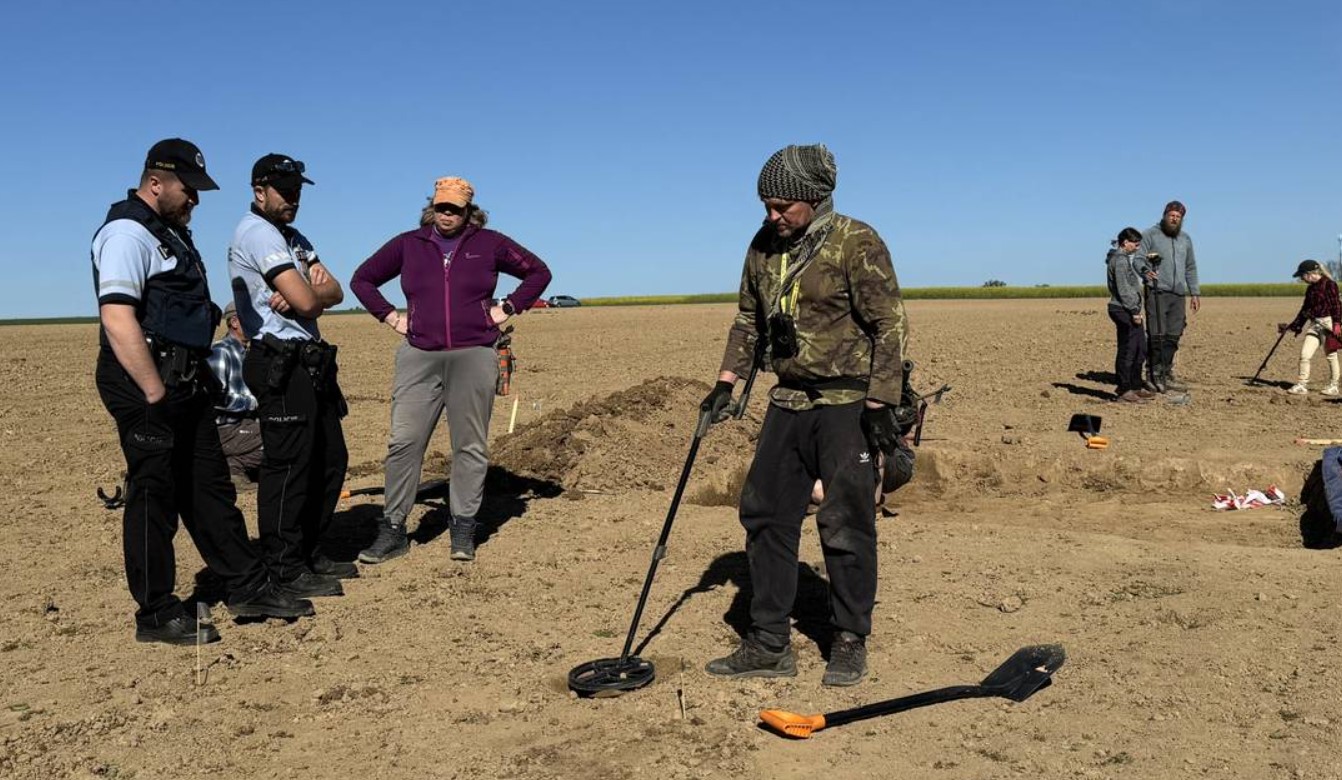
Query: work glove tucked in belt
(881, 429)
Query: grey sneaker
(391, 542)
(462, 531)
(847, 661)
(753, 659)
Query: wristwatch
(507, 307)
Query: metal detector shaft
(738, 409)
(659, 552)
(1280, 336)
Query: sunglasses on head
(449, 208)
(288, 166)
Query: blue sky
(621, 141)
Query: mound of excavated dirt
(1013, 471)
(632, 439)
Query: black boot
(341, 570)
(847, 660)
(269, 600)
(462, 531)
(181, 630)
(1155, 366)
(391, 542)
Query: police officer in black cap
(157, 323)
(281, 288)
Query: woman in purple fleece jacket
(448, 272)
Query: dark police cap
(183, 159)
(280, 171)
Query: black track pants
(796, 448)
(1131, 353)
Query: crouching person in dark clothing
(820, 287)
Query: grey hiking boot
(462, 532)
(1171, 382)
(391, 542)
(847, 660)
(753, 659)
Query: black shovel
(1028, 670)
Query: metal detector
(1263, 365)
(1028, 670)
(613, 676)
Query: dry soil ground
(1200, 643)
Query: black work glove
(881, 429)
(717, 400)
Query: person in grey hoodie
(1125, 309)
(1168, 251)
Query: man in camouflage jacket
(819, 289)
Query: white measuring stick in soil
(512, 418)
(203, 622)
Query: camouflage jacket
(849, 315)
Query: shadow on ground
(810, 610)
(1103, 395)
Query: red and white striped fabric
(1250, 500)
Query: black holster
(177, 365)
(319, 359)
(283, 358)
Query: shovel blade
(1028, 670)
(1084, 424)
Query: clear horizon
(982, 140)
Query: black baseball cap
(182, 158)
(279, 170)
(1307, 267)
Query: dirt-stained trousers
(303, 464)
(795, 449)
(174, 466)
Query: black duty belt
(317, 358)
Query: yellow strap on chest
(787, 300)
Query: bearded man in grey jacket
(1168, 251)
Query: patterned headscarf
(799, 173)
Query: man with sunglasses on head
(449, 269)
(281, 287)
(819, 289)
(157, 323)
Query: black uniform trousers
(174, 467)
(304, 461)
(795, 448)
